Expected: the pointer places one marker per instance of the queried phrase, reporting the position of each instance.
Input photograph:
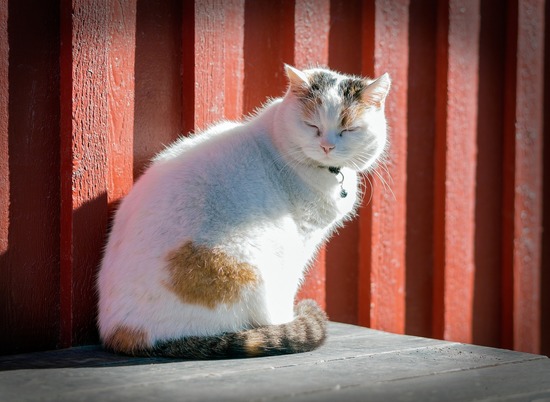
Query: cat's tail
(306, 332)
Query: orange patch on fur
(126, 340)
(254, 345)
(208, 277)
(351, 114)
(310, 106)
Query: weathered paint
(523, 168)
(487, 304)
(311, 30)
(545, 259)
(462, 281)
(233, 56)
(420, 166)
(213, 35)
(120, 97)
(4, 137)
(382, 233)
(268, 43)
(342, 253)
(29, 263)
(456, 151)
(89, 118)
(159, 100)
(209, 50)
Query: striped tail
(306, 332)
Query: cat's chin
(322, 161)
(327, 164)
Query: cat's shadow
(78, 357)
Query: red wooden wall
(449, 242)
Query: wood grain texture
(355, 364)
(455, 181)
(487, 307)
(234, 58)
(158, 79)
(342, 253)
(29, 277)
(120, 97)
(383, 220)
(545, 258)
(4, 139)
(209, 62)
(96, 146)
(523, 168)
(454, 248)
(268, 43)
(311, 33)
(420, 166)
(213, 36)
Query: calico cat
(208, 250)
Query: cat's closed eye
(348, 130)
(313, 126)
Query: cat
(208, 250)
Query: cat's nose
(327, 148)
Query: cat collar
(336, 170)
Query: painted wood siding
(449, 242)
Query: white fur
(255, 190)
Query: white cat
(208, 250)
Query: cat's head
(335, 119)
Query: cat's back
(199, 187)
(212, 167)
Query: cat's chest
(321, 210)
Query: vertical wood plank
(158, 79)
(382, 236)
(311, 25)
(29, 282)
(188, 66)
(456, 134)
(420, 166)
(545, 262)
(4, 167)
(523, 170)
(233, 57)
(4, 144)
(342, 253)
(268, 43)
(84, 121)
(488, 215)
(314, 286)
(120, 92)
(95, 39)
(311, 38)
(209, 62)
(213, 35)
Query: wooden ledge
(355, 364)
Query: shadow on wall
(29, 267)
(47, 287)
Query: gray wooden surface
(356, 364)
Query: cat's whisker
(369, 187)
(384, 183)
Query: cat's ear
(296, 77)
(375, 94)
